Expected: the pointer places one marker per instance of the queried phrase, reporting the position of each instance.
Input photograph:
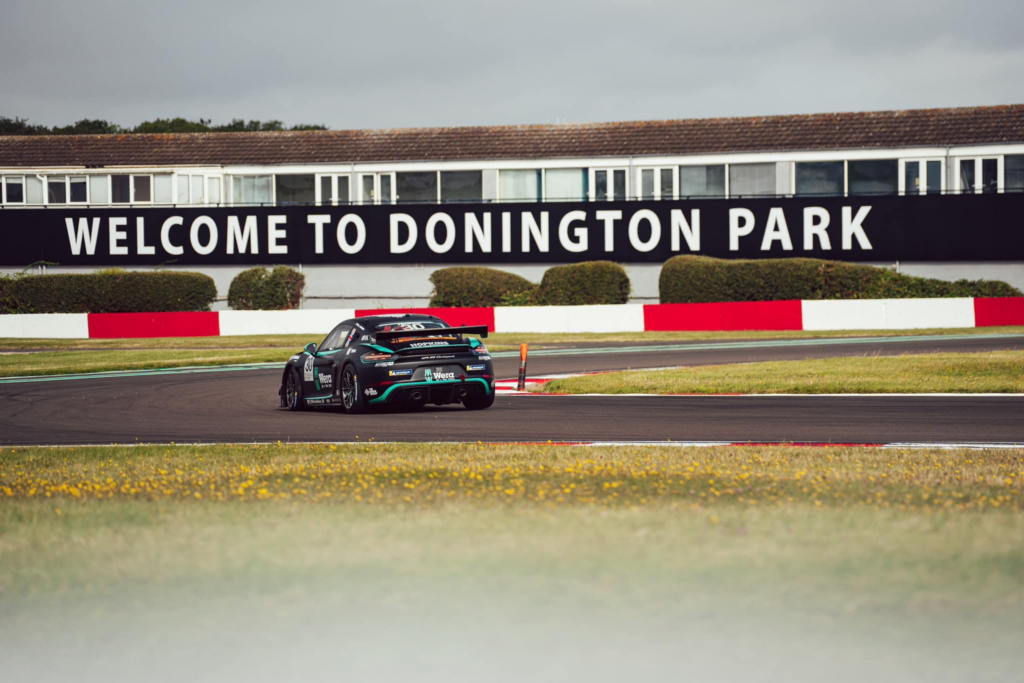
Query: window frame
(922, 171)
(979, 185)
(610, 192)
(333, 200)
(375, 190)
(657, 170)
(24, 193)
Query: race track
(241, 405)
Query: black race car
(399, 359)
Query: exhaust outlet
(463, 392)
(416, 396)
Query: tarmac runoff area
(240, 404)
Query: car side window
(333, 339)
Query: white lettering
(634, 230)
(816, 220)
(481, 233)
(141, 247)
(738, 229)
(609, 218)
(85, 235)
(540, 233)
(852, 226)
(449, 238)
(193, 235)
(580, 233)
(777, 231)
(406, 220)
(241, 237)
(357, 246)
(690, 230)
(506, 231)
(275, 233)
(118, 235)
(165, 236)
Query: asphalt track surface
(242, 405)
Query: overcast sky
(451, 62)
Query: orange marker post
(523, 348)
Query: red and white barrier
(858, 314)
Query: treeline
(16, 126)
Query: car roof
(395, 317)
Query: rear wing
(480, 330)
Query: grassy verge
(989, 372)
(72, 362)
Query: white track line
(583, 444)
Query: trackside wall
(864, 314)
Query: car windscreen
(419, 333)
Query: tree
(87, 127)
(175, 125)
(16, 126)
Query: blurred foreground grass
(878, 529)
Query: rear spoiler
(433, 331)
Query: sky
(388, 64)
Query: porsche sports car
(398, 359)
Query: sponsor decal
(475, 368)
(351, 351)
(370, 391)
(427, 375)
(422, 344)
(399, 373)
(365, 337)
(326, 381)
(307, 369)
(450, 355)
(385, 364)
(440, 375)
(316, 401)
(485, 357)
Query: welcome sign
(946, 228)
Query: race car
(396, 359)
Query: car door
(318, 377)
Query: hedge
(107, 291)
(475, 286)
(262, 289)
(591, 282)
(698, 279)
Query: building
(933, 192)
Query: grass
(62, 356)
(986, 372)
(882, 527)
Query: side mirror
(311, 348)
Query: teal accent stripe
(316, 398)
(383, 397)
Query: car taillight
(372, 357)
(480, 350)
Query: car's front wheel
(293, 391)
(351, 402)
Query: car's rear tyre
(479, 402)
(293, 399)
(351, 401)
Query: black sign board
(883, 228)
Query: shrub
(696, 279)
(107, 291)
(591, 282)
(262, 289)
(475, 286)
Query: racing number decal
(307, 369)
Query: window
(921, 176)
(702, 181)
(142, 188)
(565, 184)
(1013, 169)
(213, 189)
(251, 189)
(99, 189)
(820, 178)
(989, 175)
(609, 184)
(333, 340)
(416, 187)
(462, 186)
(978, 175)
(378, 188)
(15, 189)
(879, 176)
(195, 184)
(78, 189)
(334, 189)
(656, 183)
(162, 189)
(519, 186)
(295, 189)
(33, 189)
(56, 189)
(747, 180)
